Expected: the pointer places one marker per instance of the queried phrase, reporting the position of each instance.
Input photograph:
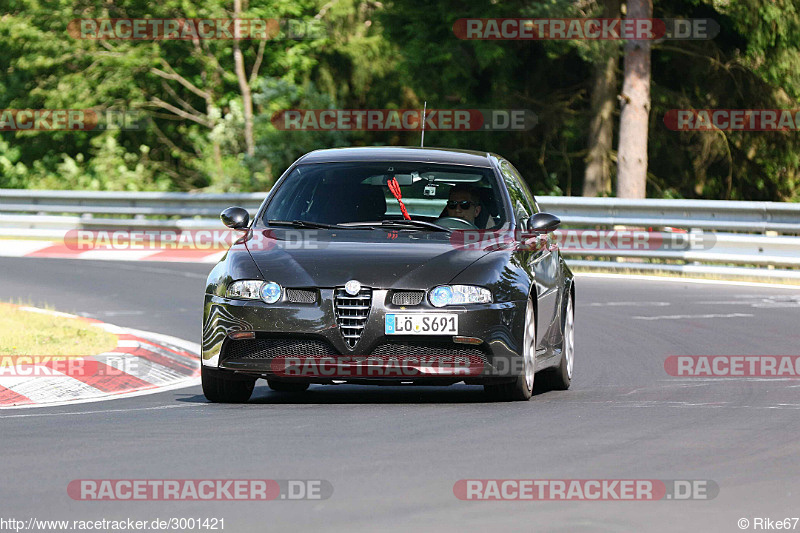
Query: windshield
(351, 193)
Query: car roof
(399, 153)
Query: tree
(635, 100)
(597, 177)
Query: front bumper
(291, 329)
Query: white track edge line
(686, 280)
(182, 384)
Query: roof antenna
(424, 111)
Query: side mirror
(235, 218)
(543, 223)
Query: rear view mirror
(403, 179)
(235, 218)
(383, 179)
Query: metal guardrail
(124, 203)
(752, 217)
(769, 239)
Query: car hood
(376, 258)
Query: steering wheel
(455, 223)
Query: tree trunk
(597, 177)
(247, 98)
(635, 98)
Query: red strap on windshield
(394, 187)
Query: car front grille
(407, 297)
(301, 296)
(268, 348)
(352, 313)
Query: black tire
(559, 378)
(521, 389)
(286, 386)
(516, 390)
(221, 390)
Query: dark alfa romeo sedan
(390, 266)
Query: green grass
(38, 334)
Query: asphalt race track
(394, 454)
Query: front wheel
(521, 389)
(221, 390)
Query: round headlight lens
(441, 296)
(459, 295)
(271, 292)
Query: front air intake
(407, 297)
(301, 296)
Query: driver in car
(464, 202)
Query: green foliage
(748, 66)
(398, 54)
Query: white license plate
(421, 324)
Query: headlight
(459, 295)
(248, 289)
(270, 292)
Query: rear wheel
(521, 388)
(285, 386)
(218, 389)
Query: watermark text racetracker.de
(732, 119)
(199, 489)
(585, 240)
(733, 366)
(404, 119)
(538, 29)
(86, 240)
(71, 119)
(585, 489)
(377, 366)
(211, 240)
(50, 366)
(196, 29)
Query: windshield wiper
(416, 224)
(302, 224)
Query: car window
(530, 200)
(336, 193)
(521, 198)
